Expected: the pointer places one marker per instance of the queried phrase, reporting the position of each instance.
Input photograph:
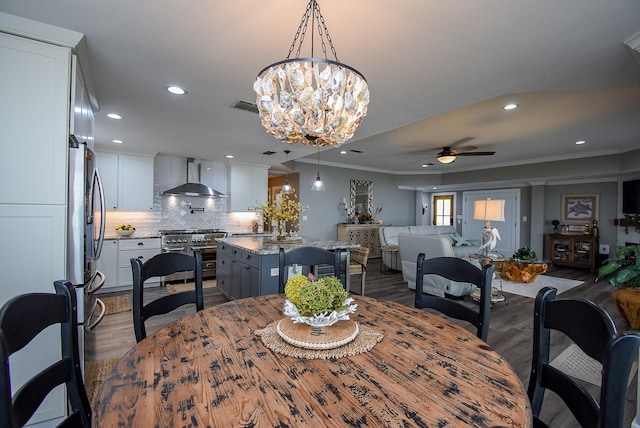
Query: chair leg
(362, 283)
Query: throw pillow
(459, 241)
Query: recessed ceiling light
(510, 106)
(118, 141)
(115, 116)
(176, 90)
(343, 152)
(425, 165)
(580, 142)
(229, 156)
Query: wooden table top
(209, 369)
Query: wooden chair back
(458, 270)
(359, 257)
(307, 256)
(594, 332)
(161, 265)
(22, 319)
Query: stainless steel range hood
(193, 187)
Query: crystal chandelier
(313, 101)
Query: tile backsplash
(182, 212)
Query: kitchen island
(248, 266)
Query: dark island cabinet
(242, 273)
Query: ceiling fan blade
(460, 142)
(475, 153)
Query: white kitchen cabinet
(248, 185)
(34, 136)
(107, 163)
(116, 265)
(81, 117)
(108, 263)
(34, 108)
(127, 179)
(128, 249)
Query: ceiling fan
(448, 155)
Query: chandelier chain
(313, 10)
(326, 32)
(300, 32)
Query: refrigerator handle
(103, 213)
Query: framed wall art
(582, 208)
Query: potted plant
(555, 224)
(624, 274)
(525, 254)
(317, 302)
(365, 217)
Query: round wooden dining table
(210, 369)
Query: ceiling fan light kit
(313, 101)
(446, 158)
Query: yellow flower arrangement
(284, 209)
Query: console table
(367, 235)
(575, 250)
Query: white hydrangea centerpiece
(317, 302)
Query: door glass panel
(443, 210)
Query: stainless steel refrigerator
(85, 234)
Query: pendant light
(318, 185)
(312, 101)
(286, 187)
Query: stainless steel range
(186, 241)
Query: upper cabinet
(81, 115)
(247, 186)
(34, 109)
(127, 180)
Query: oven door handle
(173, 250)
(212, 247)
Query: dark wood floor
(510, 331)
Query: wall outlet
(275, 271)
(604, 249)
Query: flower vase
(282, 231)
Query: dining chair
(358, 258)
(458, 270)
(307, 256)
(161, 265)
(590, 328)
(22, 319)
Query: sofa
(434, 241)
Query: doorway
(442, 210)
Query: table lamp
(489, 210)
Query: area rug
(576, 363)
(531, 289)
(95, 373)
(116, 304)
(187, 286)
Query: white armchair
(410, 245)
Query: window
(443, 210)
